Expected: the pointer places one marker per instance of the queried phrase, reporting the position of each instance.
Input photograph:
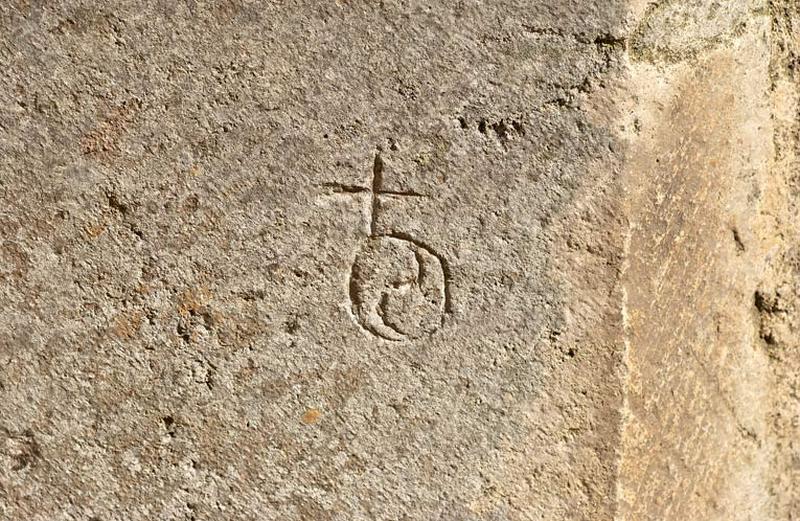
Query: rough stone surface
(399, 260)
(698, 176)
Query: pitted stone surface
(397, 260)
(308, 260)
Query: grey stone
(397, 260)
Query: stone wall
(398, 260)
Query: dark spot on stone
(293, 325)
(501, 129)
(738, 240)
(169, 425)
(28, 453)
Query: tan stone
(399, 260)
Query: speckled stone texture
(186, 331)
(396, 260)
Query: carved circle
(398, 288)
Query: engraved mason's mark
(399, 286)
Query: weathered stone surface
(696, 389)
(398, 260)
